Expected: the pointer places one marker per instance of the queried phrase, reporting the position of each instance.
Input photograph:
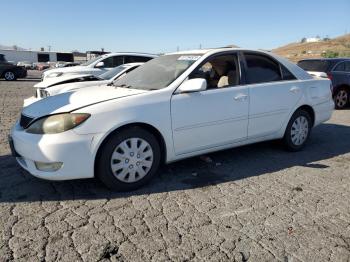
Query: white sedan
(62, 84)
(174, 107)
(99, 65)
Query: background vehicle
(58, 85)
(65, 64)
(338, 71)
(99, 65)
(11, 72)
(42, 66)
(26, 64)
(173, 107)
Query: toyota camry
(173, 107)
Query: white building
(36, 56)
(312, 39)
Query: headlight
(56, 74)
(57, 123)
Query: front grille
(25, 121)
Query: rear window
(261, 69)
(136, 59)
(315, 65)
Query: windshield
(91, 61)
(113, 72)
(314, 65)
(158, 73)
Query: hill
(339, 46)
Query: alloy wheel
(300, 130)
(131, 160)
(9, 76)
(341, 98)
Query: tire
(128, 159)
(298, 131)
(341, 98)
(9, 76)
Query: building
(16, 56)
(312, 39)
(93, 54)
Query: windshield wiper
(123, 85)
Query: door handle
(294, 89)
(241, 97)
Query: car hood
(71, 101)
(71, 69)
(59, 80)
(70, 87)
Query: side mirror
(100, 64)
(192, 85)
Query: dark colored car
(338, 71)
(10, 71)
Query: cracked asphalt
(254, 203)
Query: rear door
(273, 92)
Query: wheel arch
(150, 128)
(308, 109)
(338, 87)
(5, 71)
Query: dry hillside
(297, 51)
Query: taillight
(330, 77)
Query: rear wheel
(341, 98)
(9, 76)
(128, 159)
(298, 130)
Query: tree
(330, 54)
(303, 40)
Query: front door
(215, 117)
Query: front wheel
(9, 76)
(341, 98)
(128, 159)
(298, 131)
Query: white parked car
(66, 83)
(26, 64)
(99, 65)
(174, 107)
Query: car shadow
(327, 141)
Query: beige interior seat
(230, 80)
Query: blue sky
(162, 26)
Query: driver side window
(219, 71)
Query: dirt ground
(254, 203)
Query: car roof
(132, 64)
(217, 50)
(296, 70)
(130, 53)
(338, 59)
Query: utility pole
(49, 48)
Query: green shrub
(330, 54)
